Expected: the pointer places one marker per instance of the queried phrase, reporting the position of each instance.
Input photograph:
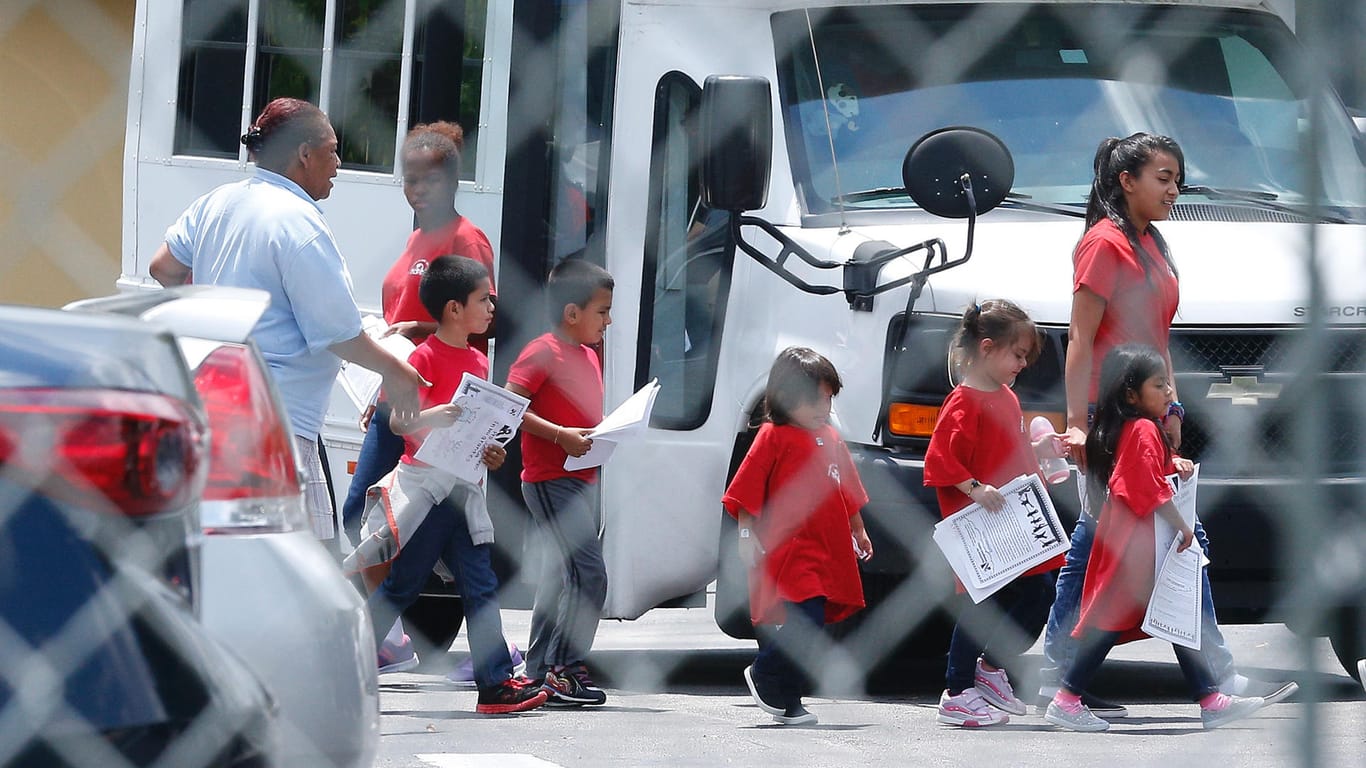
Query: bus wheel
(1348, 637)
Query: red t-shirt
(565, 382)
(1119, 575)
(1137, 310)
(802, 487)
(444, 366)
(979, 435)
(398, 295)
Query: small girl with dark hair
(1128, 460)
(980, 443)
(797, 498)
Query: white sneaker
(1271, 692)
(995, 688)
(1084, 721)
(969, 710)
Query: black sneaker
(763, 697)
(572, 685)
(511, 695)
(1106, 710)
(796, 715)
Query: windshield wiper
(1013, 200)
(1261, 199)
(1028, 203)
(866, 195)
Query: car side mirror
(737, 142)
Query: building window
(357, 79)
(687, 267)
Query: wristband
(973, 485)
(556, 441)
(1175, 408)
(744, 533)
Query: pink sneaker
(397, 658)
(995, 688)
(969, 710)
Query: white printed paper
(628, 420)
(361, 384)
(1174, 608)
(988, 550)
(488, 414)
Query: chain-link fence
(584, 139)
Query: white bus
(584, 142)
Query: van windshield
(1051, 82)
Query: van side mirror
(737, 142)
(947, 168)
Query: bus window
(357, 79)
(686, 269)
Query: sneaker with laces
(1083, 720)
(511, 695)
(969, 710)
(796, 715)
(1237, 708)
(762, 700)
(995, 688)
(397, 657)
(571, 685)
(1098, 706)
(463, 674)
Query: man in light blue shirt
(268, 232)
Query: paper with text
(628, 420)
(361, 384)
(1174, 608)
(488, 414)
(988, 550)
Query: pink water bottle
(1055, 470)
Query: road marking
(487, 761)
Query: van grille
(1258, 436)
(1239, 213)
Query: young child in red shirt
(1128, 458)
(561, 374)
(420, 515)
(980, 443)
(797, 498)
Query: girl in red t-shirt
(797, 498)
(980, 443)
(1128, 458)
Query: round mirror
(935, 163)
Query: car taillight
(253, 481)
(136, 453)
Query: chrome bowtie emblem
(1244, 390)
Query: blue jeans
(997, 629)
(571, 587)
(445, 536)
(1096, 644)
(1060, 648)
(379, 454)
(787, 652)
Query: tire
(435, 619)
(1348, 637)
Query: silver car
(269, 590)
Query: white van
(583, 118)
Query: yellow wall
(63, 106)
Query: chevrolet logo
(1244, 390)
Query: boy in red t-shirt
(419, 514)
(562, 376)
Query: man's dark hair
(449, 278)
(574, 281)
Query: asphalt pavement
(676, 698)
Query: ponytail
(1106, 201)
